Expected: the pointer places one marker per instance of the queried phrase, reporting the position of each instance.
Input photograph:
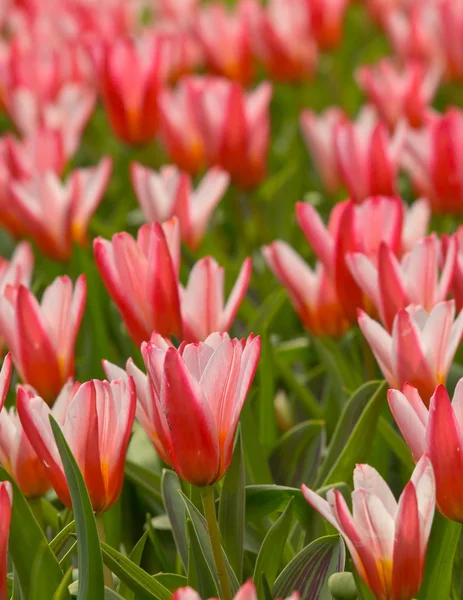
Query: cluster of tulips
(194, 84)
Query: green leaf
(133, 576)
(145, 479)
(269, 557)
(266, 411)
(232, 509)
(199, 575)
(62, 593)
(254, 458)
(171, 581)
(305, 396)
(27, 545)
(135, 556)
(268, 310)
(297, 454)
(396, 443)
(309, 571)
(354, 434)
(61, 537)
(262, 500)
(442, 546)
(175, 508)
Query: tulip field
(231, 299)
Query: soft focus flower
(6, 499)
(360, 228)
(432, 158)
(141, 277)
(41, 337)
(457, 282)
(5, 378)
(197, 393)
(96, 419)
(386, 539)
(420, 349)
(400, 93)
(451, 32)
(318, 132)
(71, 206)
(367, 156)
(326, 21)
(438, 433)
(225, 38)
(246, 592)
(179, 12)
(392, 285)
(311, 291)
(43, 150)
(130, 75)
(181, 51)
(204, 310)
(170, 193)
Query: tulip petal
(236, 295)
(317, 234)
(409, 423)
(381, 344)
(5, 378)
(392, 290)
(424, 480)
(370, 480)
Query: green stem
(35, 504)
(368, 361)
(108, 578)
(207, 495)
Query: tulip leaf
(254, 457)
(354, 434)
(27, 547)
(90, 564)
(437, 582)
(62, 536)
(136, 579)
(199, 576)
(396, 443)
(232, 509)
(175, 508)
(145, 479)
(305, 396)
(266, 395)
(171, 581)
(62, 593)
(262, 500)
(309, 571)
(135, 556)
(271, 551)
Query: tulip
(451, 30)
(225, 39)
(437, 433)
(399, 94)
(96, 419)
(6, 499)
(178, 12)
(457, 282)
(318, 132)
(432, 159)
(43, 150)
(367, 157)
(326, 21)
(202, 300)
(41, 337)
(182, 53)
(386, 539)
(5, 378)
(311, 292)
(169, 193)
(411, 354)
(130, 76)
(197, 393)
(392, 285)
(141, 277)
(246, 592)
(72, 206)
(360, 228)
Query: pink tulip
(246, 592)
(96, 419)
(400, 93)
(386, 539)
(5, 378)
(41, 337)
(72, 206)
(43, 150)
(178, 12)
(411, 354)
(432, 158)
(392, 285)
(170, 193)
(451, 31)
(367, 156)
(141, 277)
(457, 282)
(182, 53)
(318, 132)
(197, 393)
(312, 292)
(6, 499)
(436, 432)
(326, 21)
(202, 299)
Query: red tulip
(6, 499)
(451, 32)
(457, 282)
(246, 592)
(326, 21)
(96, 419)
(386, 539)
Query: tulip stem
(207, 495)
(108, 577)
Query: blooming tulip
(432, 159)
(169, 193)
(41, 151)
(197, 393)
(436, 432)
(326, 21)
(410, 353)
(318, 132)
(367, 157)
(141, 277)
(457, 282)
(451, 31)
(182, 53)
(5, 378)
(386, 539)
(400, 93)
(393, 285)
(6, 499)
(72, 206)
(41, 337)
(202, 300)
(311, 292)
(246, 592)
(96, 419)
